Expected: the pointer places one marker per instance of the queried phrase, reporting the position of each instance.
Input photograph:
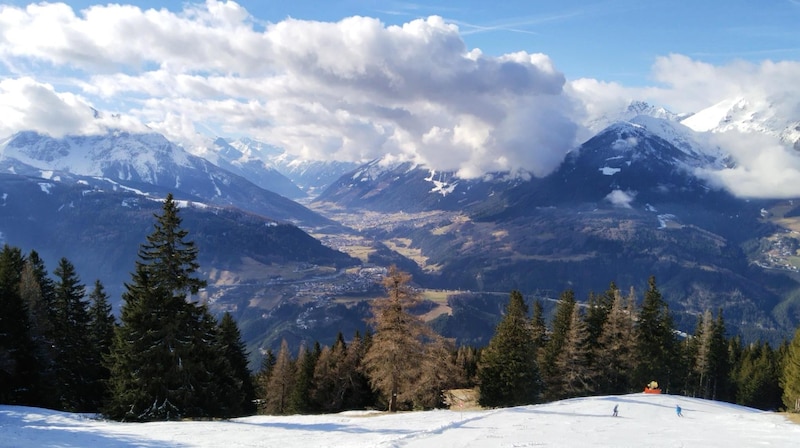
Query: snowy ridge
(126, 156)
(776, 117)
(644, 420)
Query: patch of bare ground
(462, 399)
(793, 417)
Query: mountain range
(628, 203)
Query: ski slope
(643, 421)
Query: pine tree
(614, 359)
(300, 401)
(539, 329)
(402, 347)
(74, 351)
(597, 313)
(555, 345)
(330, 385)
(166, 361)
(36, 290)
(757, 378)
(261, 379)
(19, 366)
(656, 344)
(101, 337)
(230, 340)
(508, 372)
(281, 383)
(790, 378)
(577, 377)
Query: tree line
(168, 358)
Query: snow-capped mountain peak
(770, 116)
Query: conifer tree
(36, 289)
(597, 313)
(508, 372)
(539, 329)
(614, 359)
(19, 367)
(300, 401)
(166, 362)
(330, 385)
(656, 344)
(230, 340)
(555, 345)
(281, 383)
(402, 346)
(757, 377)
(74, 352)
(577, 377)
(790, 378)
(101, 337)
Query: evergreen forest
(166, 357)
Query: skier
(615, 410)
(678, 410)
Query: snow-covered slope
(138, 160)
(777, 117)
(643, 421)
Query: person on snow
(678, 410)
(615, 410)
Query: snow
(644, 421)
(608, 171)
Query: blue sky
(467, 86)
(613, 40)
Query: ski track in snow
(644, 421)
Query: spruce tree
(74, 351)
(577, 376)
(230, 340)
(101, 337)
(614, 359)
(555, 345)
(757, 377)
(790, 378)
(19, 366)
(166, 361)
(656, 345)
(508, 372)
(300, 401)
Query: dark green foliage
(790, 377)
(555, 345)
(508, 372)
(756, 377)
(75, 356)
(656, 344)
(101, 337)
(19, 365)
(166, 361)
(230, 340)
(300, 401)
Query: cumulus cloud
(355, 90)
(764, 168)
(621, 198)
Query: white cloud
(353, 90)
(764, 167)
(621, 198)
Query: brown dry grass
(792, 417)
